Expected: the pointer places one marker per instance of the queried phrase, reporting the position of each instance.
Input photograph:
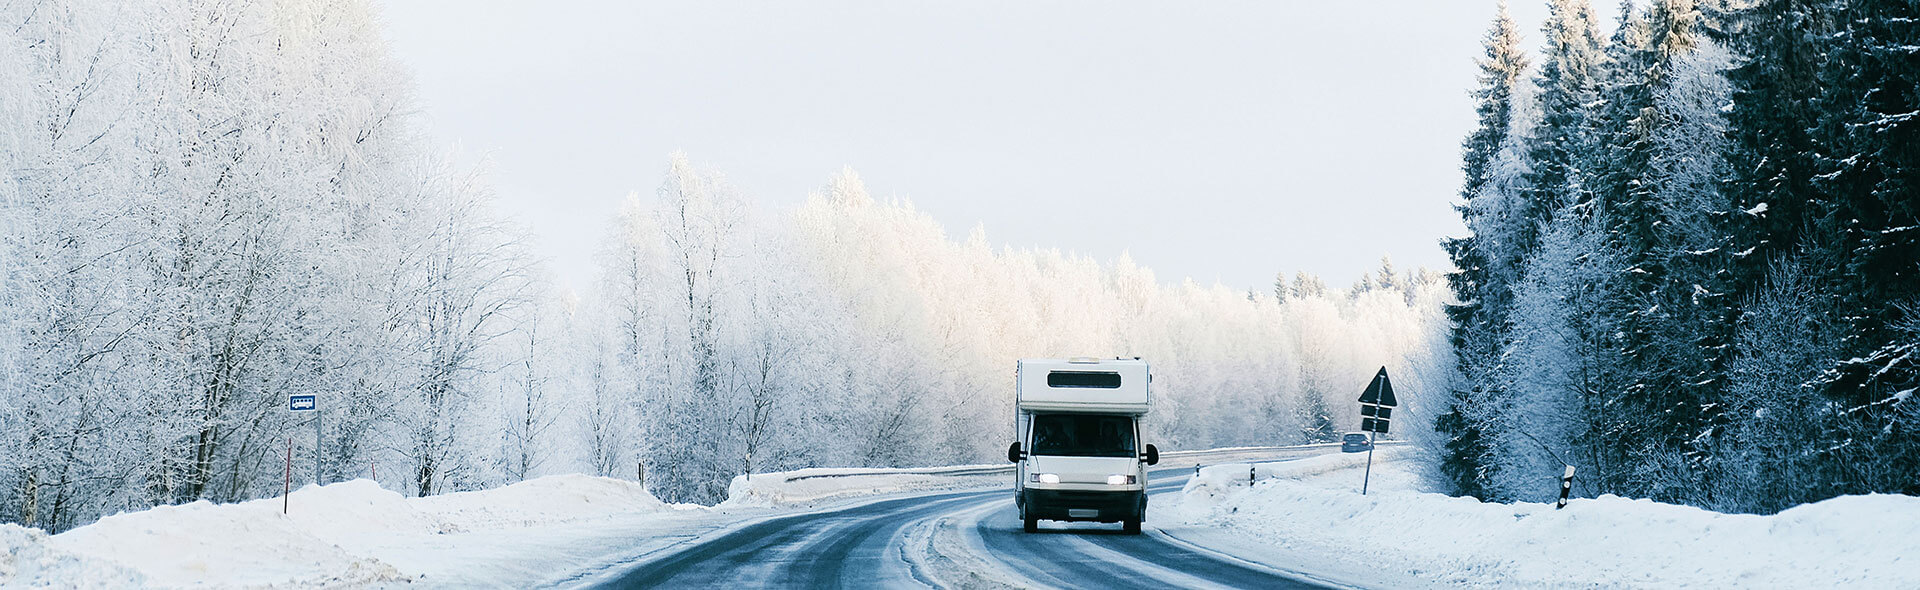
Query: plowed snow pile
(1311, 511)
(548, 500)
(804, 487)
(336, 535)
(26, 561)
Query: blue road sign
(300, 403)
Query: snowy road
(886, 543)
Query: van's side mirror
(1014, 454)
(1153, 455)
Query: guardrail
(954, 471)
(1205, 455)
(1245, 473)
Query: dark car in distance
(1354, 442)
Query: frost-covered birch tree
(471, 276)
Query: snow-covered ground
(358, 534)
(346, 534)
(27, 560)
(1308, 516)
(1305, 516)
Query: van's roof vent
(1084, 360)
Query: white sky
(1222, 142)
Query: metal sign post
(1376, 413)
(309, 403)
(1367, 477)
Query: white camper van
(1077, 433)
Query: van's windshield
(1083, 435)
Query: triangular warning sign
(1386, 390)
(1380, 391)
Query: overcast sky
(1222, 141)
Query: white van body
(1077, 433)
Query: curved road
(866, 546)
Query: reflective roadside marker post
(1376, 413)
(1566, 485)
(286, 485)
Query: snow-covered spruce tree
(1552, 403)
(1306, 284)
(1757, 218)
(1778, 448)
(1772, 115)
(1561, 144)
(1481, 282)
(1866, 234)
(1688, 340)
(1869, 170)
(1771, 156)
(1551, 177)
(1673, 327)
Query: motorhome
(1077, 441)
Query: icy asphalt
(896, 543)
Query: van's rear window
(1095, 379)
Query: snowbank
(250, 543)
(334, 535)
(1856, 541)
(810, 486)
(555, 499)
(27, 561)
(1217, 480)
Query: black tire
(1032, 524)
(1131, 526)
